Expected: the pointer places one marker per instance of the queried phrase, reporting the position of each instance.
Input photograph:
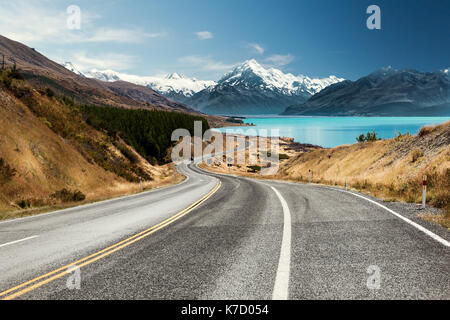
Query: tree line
(147, 131)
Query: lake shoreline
(330, 132)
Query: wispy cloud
(256, 47)
(204, 35)
(279, 60)
(206, 63)
(121, 35)
(114, 61)
(38, 21)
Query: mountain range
(45, 73)
(253, 89)
(385, 92)
(249, 88)
(173, 86)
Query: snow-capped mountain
(173, 86)
(249, 88)
(69, 66)
(253, 89)
(251, 72)
(385, 92)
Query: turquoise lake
(333, 131)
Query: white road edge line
(281, 287)
(416, 225)
(17, 241)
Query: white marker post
(424, 192)
(140, 183)
(310, 176)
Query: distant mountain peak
(385, 92)
(175, 76)
(69, 66)
(249, 64)
(250, 73)
(385, 71)
(252, 88)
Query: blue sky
(207, 38)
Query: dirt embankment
(50, 157)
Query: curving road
(224, 237)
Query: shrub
(6, 171)
(283, 156)
(24, 203)
(15, 74)
(130, 155)
(78, 196)
(49, 92)
(68, 101)
(65, 195)
(361, 138)
(425, 130)
(371, 136)
(416, 154)
(254, 168)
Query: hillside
(43, 73)
(390, 169)
(54, 152)
(385, 92)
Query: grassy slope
(50, 146)
(390, 169)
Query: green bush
(371, 136)
(361, 138)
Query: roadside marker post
(424, 192)
(140, 183)
(229, 164)
(310, 176)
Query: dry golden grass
(390, 169)
(52, 152)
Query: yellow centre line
(60, 272)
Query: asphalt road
(242, 239)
